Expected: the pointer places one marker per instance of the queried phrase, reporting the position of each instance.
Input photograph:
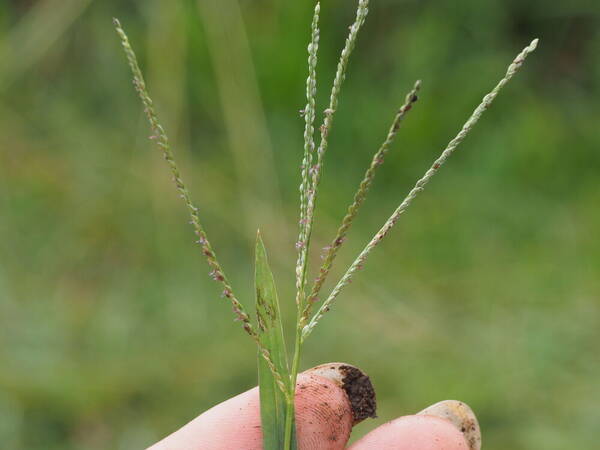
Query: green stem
(289, 421)
(290, 412)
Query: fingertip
(461, 416)
(355, 383)
(323, 414)
(414, 433)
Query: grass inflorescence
(277, 372)
(162, 141)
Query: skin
(324, 422)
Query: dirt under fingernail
(360, 392)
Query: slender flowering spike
(315, 176)
(309, 147)
(361, 14)
(359, 198)
(419, 186)
(162, 141)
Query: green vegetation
(108, 335)
(276, 378)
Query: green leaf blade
(270, 332)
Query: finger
(461, 416)
(448, 425)
(324, 415)
(414, 433)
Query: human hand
(330, 399)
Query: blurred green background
(111, 333)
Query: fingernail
(461, 416)
(355, 383)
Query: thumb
(330, 399)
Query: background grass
(112, 334)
